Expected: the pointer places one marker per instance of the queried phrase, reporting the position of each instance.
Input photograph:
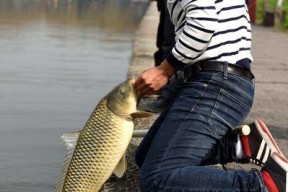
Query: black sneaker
(275, 173)
(259, 144)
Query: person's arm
(192, 42)
(200, 24)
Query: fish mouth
(135, 93)
(132, 81)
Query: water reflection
(117, 15)
(57, 59)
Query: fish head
(122, 100)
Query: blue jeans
(208, 105)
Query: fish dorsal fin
(121, 167)
(141, 114)
(70, 141)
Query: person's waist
(219, 67)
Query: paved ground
(270, 51)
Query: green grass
(285, 5)
(271, 6)
(259, 18)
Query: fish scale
(100, 146)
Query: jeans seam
(213, 112)
(233, 86)
(235, 99)
(180, 127)
(207, 84)
(224, 121)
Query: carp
(98, 150)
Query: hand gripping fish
(98, 150)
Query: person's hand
(153, 79)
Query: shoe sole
(268, 138)
(282, 162)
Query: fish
(98, 150)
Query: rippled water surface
(57, 59)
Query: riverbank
(142, 58)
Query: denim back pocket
(232, 106)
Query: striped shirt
(214, 30)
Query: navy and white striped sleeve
(198, 27)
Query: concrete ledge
(144, 42)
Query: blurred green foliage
(285, 5)
(270, 6)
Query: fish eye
(122, 92)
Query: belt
(217, 66)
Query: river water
(57, 59)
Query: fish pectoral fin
(121, 167)
(141, 114)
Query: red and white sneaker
(259, 144)
(275, 173)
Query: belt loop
(225, 70)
